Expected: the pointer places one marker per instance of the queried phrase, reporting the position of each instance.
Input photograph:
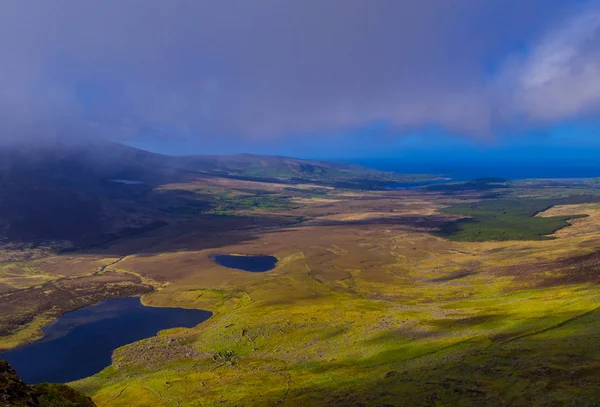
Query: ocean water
(471, 170)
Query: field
(509, 219)
(375, 301)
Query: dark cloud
(267, 68)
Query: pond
(418, 184)
(80, 343)
(127, 181)
(254, 264)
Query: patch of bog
(80, 343)
(254, 264)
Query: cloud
(268, 68)
(560, 78)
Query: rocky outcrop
(15, 393)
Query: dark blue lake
(80, 343)
(419, 184)
(127, 181)
(255, 264)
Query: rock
(15, 393)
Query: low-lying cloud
(270, 68)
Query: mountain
(74, 195)
(70, 163)
(261, 167)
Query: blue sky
(352, 79)
(564, 142)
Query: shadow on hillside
(117, 219)
(214, 231)
(203, 232)
(558, 366)
(425, 223)
(120, 219)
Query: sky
(342, 79)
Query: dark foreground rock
(15, 393)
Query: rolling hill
(81, 195)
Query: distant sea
(471, 170)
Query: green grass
(59, 395)
(508, 219)
(307, 192)
(477, 185)
(252, 202)
(525, 348)
(367, 316)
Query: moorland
(474, 293)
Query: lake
(80, 343)
(127, 181)
(418, 184)
(254, 264)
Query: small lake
(418, 184)
(127, 181)
(254, 264)
(80, 343)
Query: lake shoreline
(80, 343)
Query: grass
(508, 219)
(315, 353)
(395, 332)
(57, 395)
(259, 201)
(375, 313)
(479, 185)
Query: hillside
(265, 168)
(15, 393)
(369, 304)
(70, 163)
(88, 194)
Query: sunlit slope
(373, 313)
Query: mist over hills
(89, 193)
(118, 161)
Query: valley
(300, 203)
(377, 296)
